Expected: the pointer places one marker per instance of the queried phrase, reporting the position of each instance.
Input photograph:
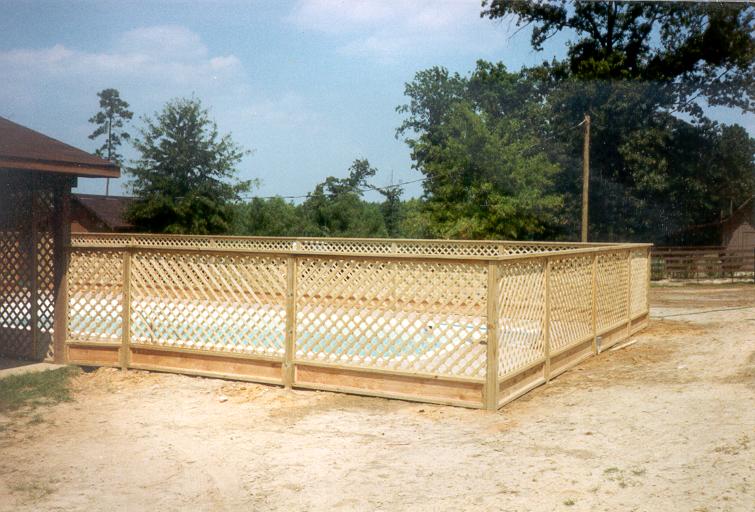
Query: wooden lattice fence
(475, 324)
(30, 265)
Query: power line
(361, 190)
(387, 187)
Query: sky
(307, 86)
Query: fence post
(62, 256)
(491, 370)
(629, 291)
(125, 355)
(594, 303)
(647, 281)
(547, 321)
(33, 271)
(287, 368)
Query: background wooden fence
(475, 324)
(702, 262)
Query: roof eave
(87, 170)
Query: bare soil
(665, 424)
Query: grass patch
(34, 490)
(35, 389)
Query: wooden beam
(547, 322)
(288, 370)
(492, 349)
(125, 355)
(62, 223)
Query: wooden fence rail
(470, 324)
(703, 262)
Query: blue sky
(307, 85)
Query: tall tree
(694, 49)
(110, 121)
(336, 208)
(185, 179)
(478, 140)
(637, 67)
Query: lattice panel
(429, 248)
(448, 248)
(182, 242)
(95, 296)
(535, 247)
(45, 255)
(209, 302)
(420, 317)
(570, 300)
(15, 294)
(521, 314)
(611, 293)
(639, 282)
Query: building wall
(739, 230)
(82, 220)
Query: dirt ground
(665, 424)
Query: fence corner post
(125, 353)
(649, 279)
(547, 322)
(629, 292)
(490, 397)
(287, 368)
(595, 303)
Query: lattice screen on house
(27, 265)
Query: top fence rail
(440, 249)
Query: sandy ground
(665, 424)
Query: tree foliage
(694, 49)
(335, 207)
(478, 140)
(110, 121)
(645, 71)
(185, 179)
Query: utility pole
(585, 177)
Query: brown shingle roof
(24, 149)
(109, 209)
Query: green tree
(185, 179)
(636, 67)
(271, 217)
(335, 207)
(693, 49)
(110, 121)
(478, 141)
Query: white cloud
(160, 58)
(288, 110)
(388, 29)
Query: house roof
(110, 210)
(748, 202)
(24, 149)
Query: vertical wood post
(647, 280)
(629, 291)
(125, 355)
(394, 266)
(594, 319)
(491, 370)
(62, 257)
(547, 321)
(586, 178)
(33, 272)
(287, 369)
